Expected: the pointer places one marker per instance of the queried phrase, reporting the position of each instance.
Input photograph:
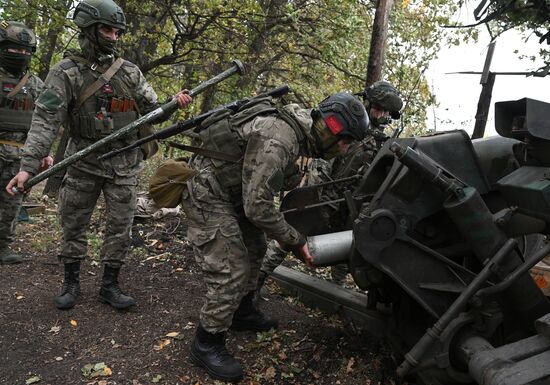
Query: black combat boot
(249, 317)
(258, 292)
(110, 291)
(71, 286)
(209, 352)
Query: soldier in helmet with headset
(19, 91)
(230, 207)
(92, 93)
(383, 103)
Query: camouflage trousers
(274, 256)
(9, 205)
(77, 199)
(229, 250)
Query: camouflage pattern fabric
(227, 231)
(62, 89)
(9, 206)
(77, 199)
(9, 164)
(87, 178)
(319, 171)
(33, 88)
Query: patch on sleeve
(50, 101)
(275, 181)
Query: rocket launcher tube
(167, 108)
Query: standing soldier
(92, 94)
(383, 103)
(19, 91)
(231, 205)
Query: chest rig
(16, 105)
(222, 132)
(103, 106)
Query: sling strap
(11, 143)
(19, 85)
(100, 82)
(206, 152)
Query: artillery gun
(441, 231)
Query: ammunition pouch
(15, 120)
(94, 126)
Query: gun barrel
(150, 117)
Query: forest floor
(95, 344)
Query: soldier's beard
(94, 46)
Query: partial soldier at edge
(383, 103)
(20, 89)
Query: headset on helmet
(344, 115)
(89, 12)
(385, 95)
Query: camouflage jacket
(63, 86)
(272, 149)
(31, 90)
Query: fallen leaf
(270, 373)
(349, 368)
(55, 329)
(162, 344)
(33, 380)
(157, 378)
(102, 382)
(282, 356)
(173, 334)
(190, 325)
(96, 370)
(74, 323)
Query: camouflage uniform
(323, 171)
(319, 171)
(87, 178)
(20, 107)
(227, 227)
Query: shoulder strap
(100, 82)
(19, 85)
(206, 152)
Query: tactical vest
(15, 112)
(109, 109)
(221, 132)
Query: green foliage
(317, 46)
(502, 15)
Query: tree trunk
(378, 40)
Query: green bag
(169, 181)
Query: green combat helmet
(385, 95)
(90, 12)
(16, 35)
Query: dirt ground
(95, 344)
